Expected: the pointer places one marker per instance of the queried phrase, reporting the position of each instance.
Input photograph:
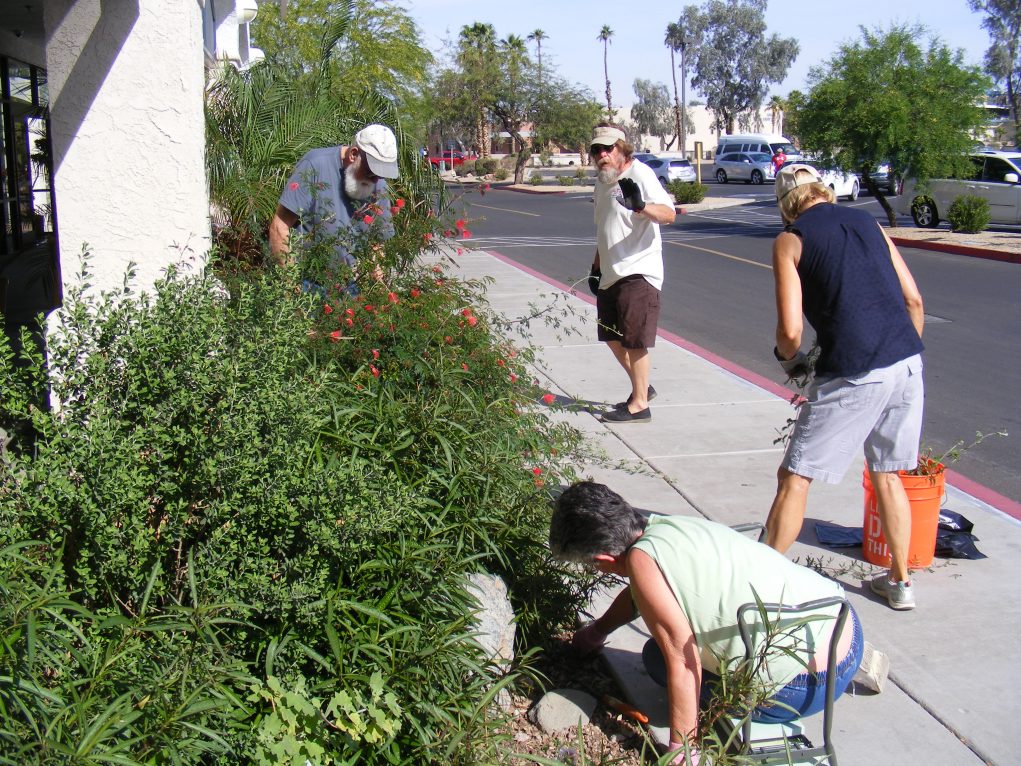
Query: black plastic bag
(954, 539)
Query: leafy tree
(515, 98)
(1003, 58)
(604, 36)
(734, 60)
(777, 106)
(380, 49)
(478, 60)
(567, 120)
(651, 111)
(915, 107)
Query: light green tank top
(712, 570)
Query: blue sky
(637, 50)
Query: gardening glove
(588, 639)
(593, 279)
(632, 198)
(795, 367)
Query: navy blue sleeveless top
(850, 292)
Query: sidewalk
(954, 692)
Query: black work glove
(593, 280)
(795, 367)
(632, 198)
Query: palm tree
(674, 40)
(777, 106)
(476, 54)
(537, 37)
(604, 35)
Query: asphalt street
(718, 294)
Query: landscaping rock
(563, 709)
(495, 617)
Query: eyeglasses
(596, 149)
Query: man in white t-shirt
(630, 206)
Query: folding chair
(773, 743)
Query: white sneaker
(900, 595)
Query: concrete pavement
(955, 661)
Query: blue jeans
(805, 693)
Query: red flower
(415, 292)
(427, 236)
(549, 398)
(374, 371)
(375, 353)
(398, 203)
(513, 378)
(335, 335)
(537, 471)
(294, 186)
(349, 322)
(464, 366)
(439, 283)
(447, 232)
(369, 307)
(459, 224)
(460, 250)
(466, 312)
(447, 339)
(500, 363)
(392, 297)
(472, 321)
(327, 309)
(349, 311)
(368, 220)
(465, 234)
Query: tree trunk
(684, 106)
(677, 101)
(879, 196)
(606, 73)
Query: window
(996, 169)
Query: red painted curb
(974, 252)
(978, 491)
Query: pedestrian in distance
(779, 158)
(687, 579)
(329, 194)
(627, 271)
(838, 268)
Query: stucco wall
(126, 83)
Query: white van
(757, 143)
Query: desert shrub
(544, 159)
(565, 180)
(581, 173)
(501, 174)
(687, 192)
(535, 179)
(969, 214)
(485, 166)
(468, 167)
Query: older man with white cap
(627, 272)
(331, 190)
(838, 268)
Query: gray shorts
(881, 409)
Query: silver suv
(995, 177)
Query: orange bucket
(925, 494)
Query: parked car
(750, 167)
(843, 183)
(995, 177)
(643, 157)
(883, 178)
(450, 159)
(669, 169)
(766, 143)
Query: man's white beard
(356, 189)
(608, 175)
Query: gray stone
(494, 620)
(562, 709)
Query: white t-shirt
(628, 243)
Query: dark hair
(591, 518)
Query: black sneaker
(623, 405)
(626, 416)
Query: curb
(973, 252)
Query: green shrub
(544, 159)
(501, 174)
(687, 192)
(565, 180)
(535, 179)
(324, 470)
(581, 173)
(468, 167)
(969, 214)
(485, 166)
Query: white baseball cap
(380, 148)
(604, 135)
(787, 179)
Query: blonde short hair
(795, 199)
